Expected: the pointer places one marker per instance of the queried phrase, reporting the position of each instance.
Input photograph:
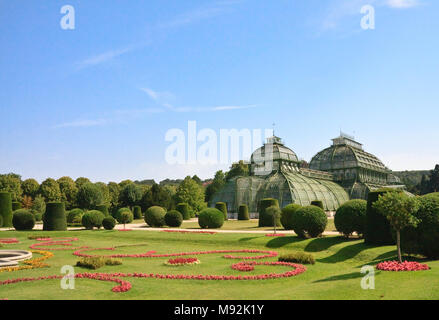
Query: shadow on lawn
(321, 244)
(278, 242)
(345, 253)
(341, 277)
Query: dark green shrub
(104, 209)
(211, 218)
(318, 203)
(274, 213)
(75, 216)
(23, 220)
(119, 212)
(155, 217)
(92, 219)
(1, 221)
(109, 223)
(222, 206)
(6, 209)
(37, 215)
(137, 212)
(54, 218)
(309, 221)
(377, 230)
(264, 220)
(16, 206)
(351, 217)
(125, 217)
(173, 218)
(297, 257)
(97, 262)
(183, 208)
(243, 212)
(287, 214)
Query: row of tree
(429, 183)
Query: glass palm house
(335, 175)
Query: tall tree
(50, 191)
(434, 179)
(196, 179)
(105, 193)
(124, 183)
(68, 191)
(239, 169)
(30, 187)
(191, 193)
(114, 190)
(216, 185)
(81, 181)
(156, 196)
(130, 195)
(89, 196)
(11, 183)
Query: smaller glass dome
(279, 150)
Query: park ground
(336, 274)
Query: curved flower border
(405, 266)
(275, 235)
(9, 240)
(182, 261)
(33, 263)
(184, 231)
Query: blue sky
(98, 100)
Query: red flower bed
(243, 267)
(49, 242)
(275, 235)
(125, 229)
(182, 261)
(405, 266)
(184, 231)
(8, 240)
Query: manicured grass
(336, 274)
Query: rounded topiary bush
(137, 212)
(173, 218)
(222, 206)
(274, 213)
(287, 216)
(16, 206)
(155, 217)
(92, 219)
(243, 212)
(211, 218)
(75, 216)
(318, 203)
(54, 218)
(377, 230)
(23, 220)
(351, 217)
(109, 223)
(119, 212)
(6, 209)
(125, 217)
(309, 221)
(104, 209)
(264, 219)
(183, 208)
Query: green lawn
(336, 275)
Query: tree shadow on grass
(248, 238)
(346, 253)
(278, 242)
(322, 244)
(341, 277)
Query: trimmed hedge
(297, 257)
(93, 219)
(183, 208)
(155, 217)
(287, 219)
(54, 218)
(211, 218)
(173, 218)
(263, 205)
(104, 209)
(23, 220)
(377, 229)
(318, 203)
(222, 206)
(75, 216)
(109, 223)
(16, 206)
(6, 209)
(309, 221)
(351, 217)
(137, 212)
(243, 212)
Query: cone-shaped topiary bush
(309, 221)
(104, 209)
(264, 220)
(23, 220)
(183, 208)
(287, 216)
(75, 216)
(222, 206)
(211, 218)
(93, 219)
(351, 217)
(6, 209)
(173, 218)
(109, 223)
(55, 217)
(318, 203)
(137, 212)
(243, 212)
(155, 217)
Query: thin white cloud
(103, 57)
(83, 123)
(402, 4)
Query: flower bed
(184, 231)
(33, 263)
(275, 235)
(405, 266)
(9, 240)
(182, 261)
(124, 229)
(49, 242)
(243, 267)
